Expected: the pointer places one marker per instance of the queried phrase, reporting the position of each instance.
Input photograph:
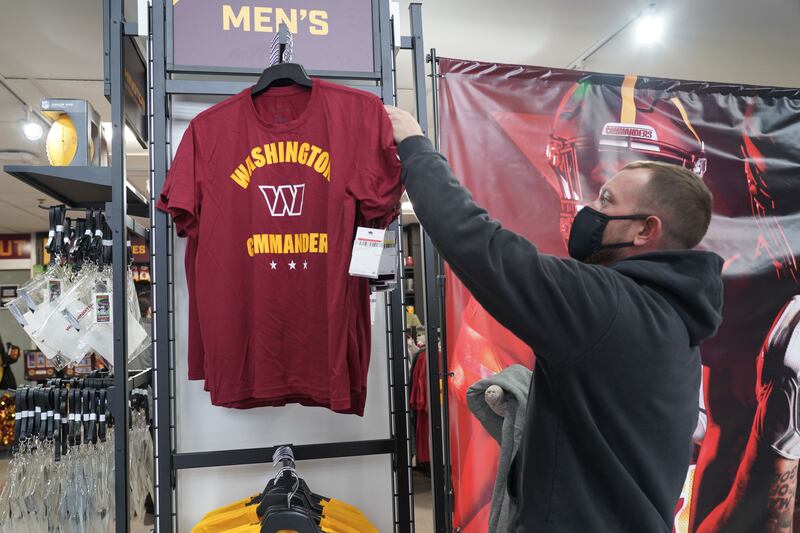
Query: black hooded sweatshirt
(608, 438)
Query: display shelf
(137, 228)
(77, 186)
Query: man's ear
(651, 230)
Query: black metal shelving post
(120, 261)
(433, 304)
(440, 299)
(161, 276)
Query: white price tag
(388, 264)
(367, 251)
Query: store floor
(423, 504)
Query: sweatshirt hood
(690, 280)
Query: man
(615, 332)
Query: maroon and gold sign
(15, 246)
(223, 34)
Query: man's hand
(403, 124)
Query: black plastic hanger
(285, 483)
(280, 73)
(291, 519)
(288, 506)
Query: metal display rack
(168, 80)
(106, 187)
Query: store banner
(15, 246)
(535, 144)
(222, 34)
(139, 249)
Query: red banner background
(533, 143)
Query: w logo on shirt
(284, 200)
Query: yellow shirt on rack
(230, 507)
(223, 522)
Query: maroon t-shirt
(269, 191)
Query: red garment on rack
(419, 403)
(268, 192)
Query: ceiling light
(33, 131)
(650, 28)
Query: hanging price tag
(367, 251)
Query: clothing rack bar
(227, 88)
(182, 461)
(324, 74)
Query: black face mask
(586, 235)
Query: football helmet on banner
(598, 128)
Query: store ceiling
(54, 49)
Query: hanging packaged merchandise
(59, 310)
(100, 332)
(37, 300)
(60, 334)
(33, 302)
(269, 210)
(61, 474)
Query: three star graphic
(292, 265)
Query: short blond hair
(680, 197)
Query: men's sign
(223, 34)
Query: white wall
(362, 481)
